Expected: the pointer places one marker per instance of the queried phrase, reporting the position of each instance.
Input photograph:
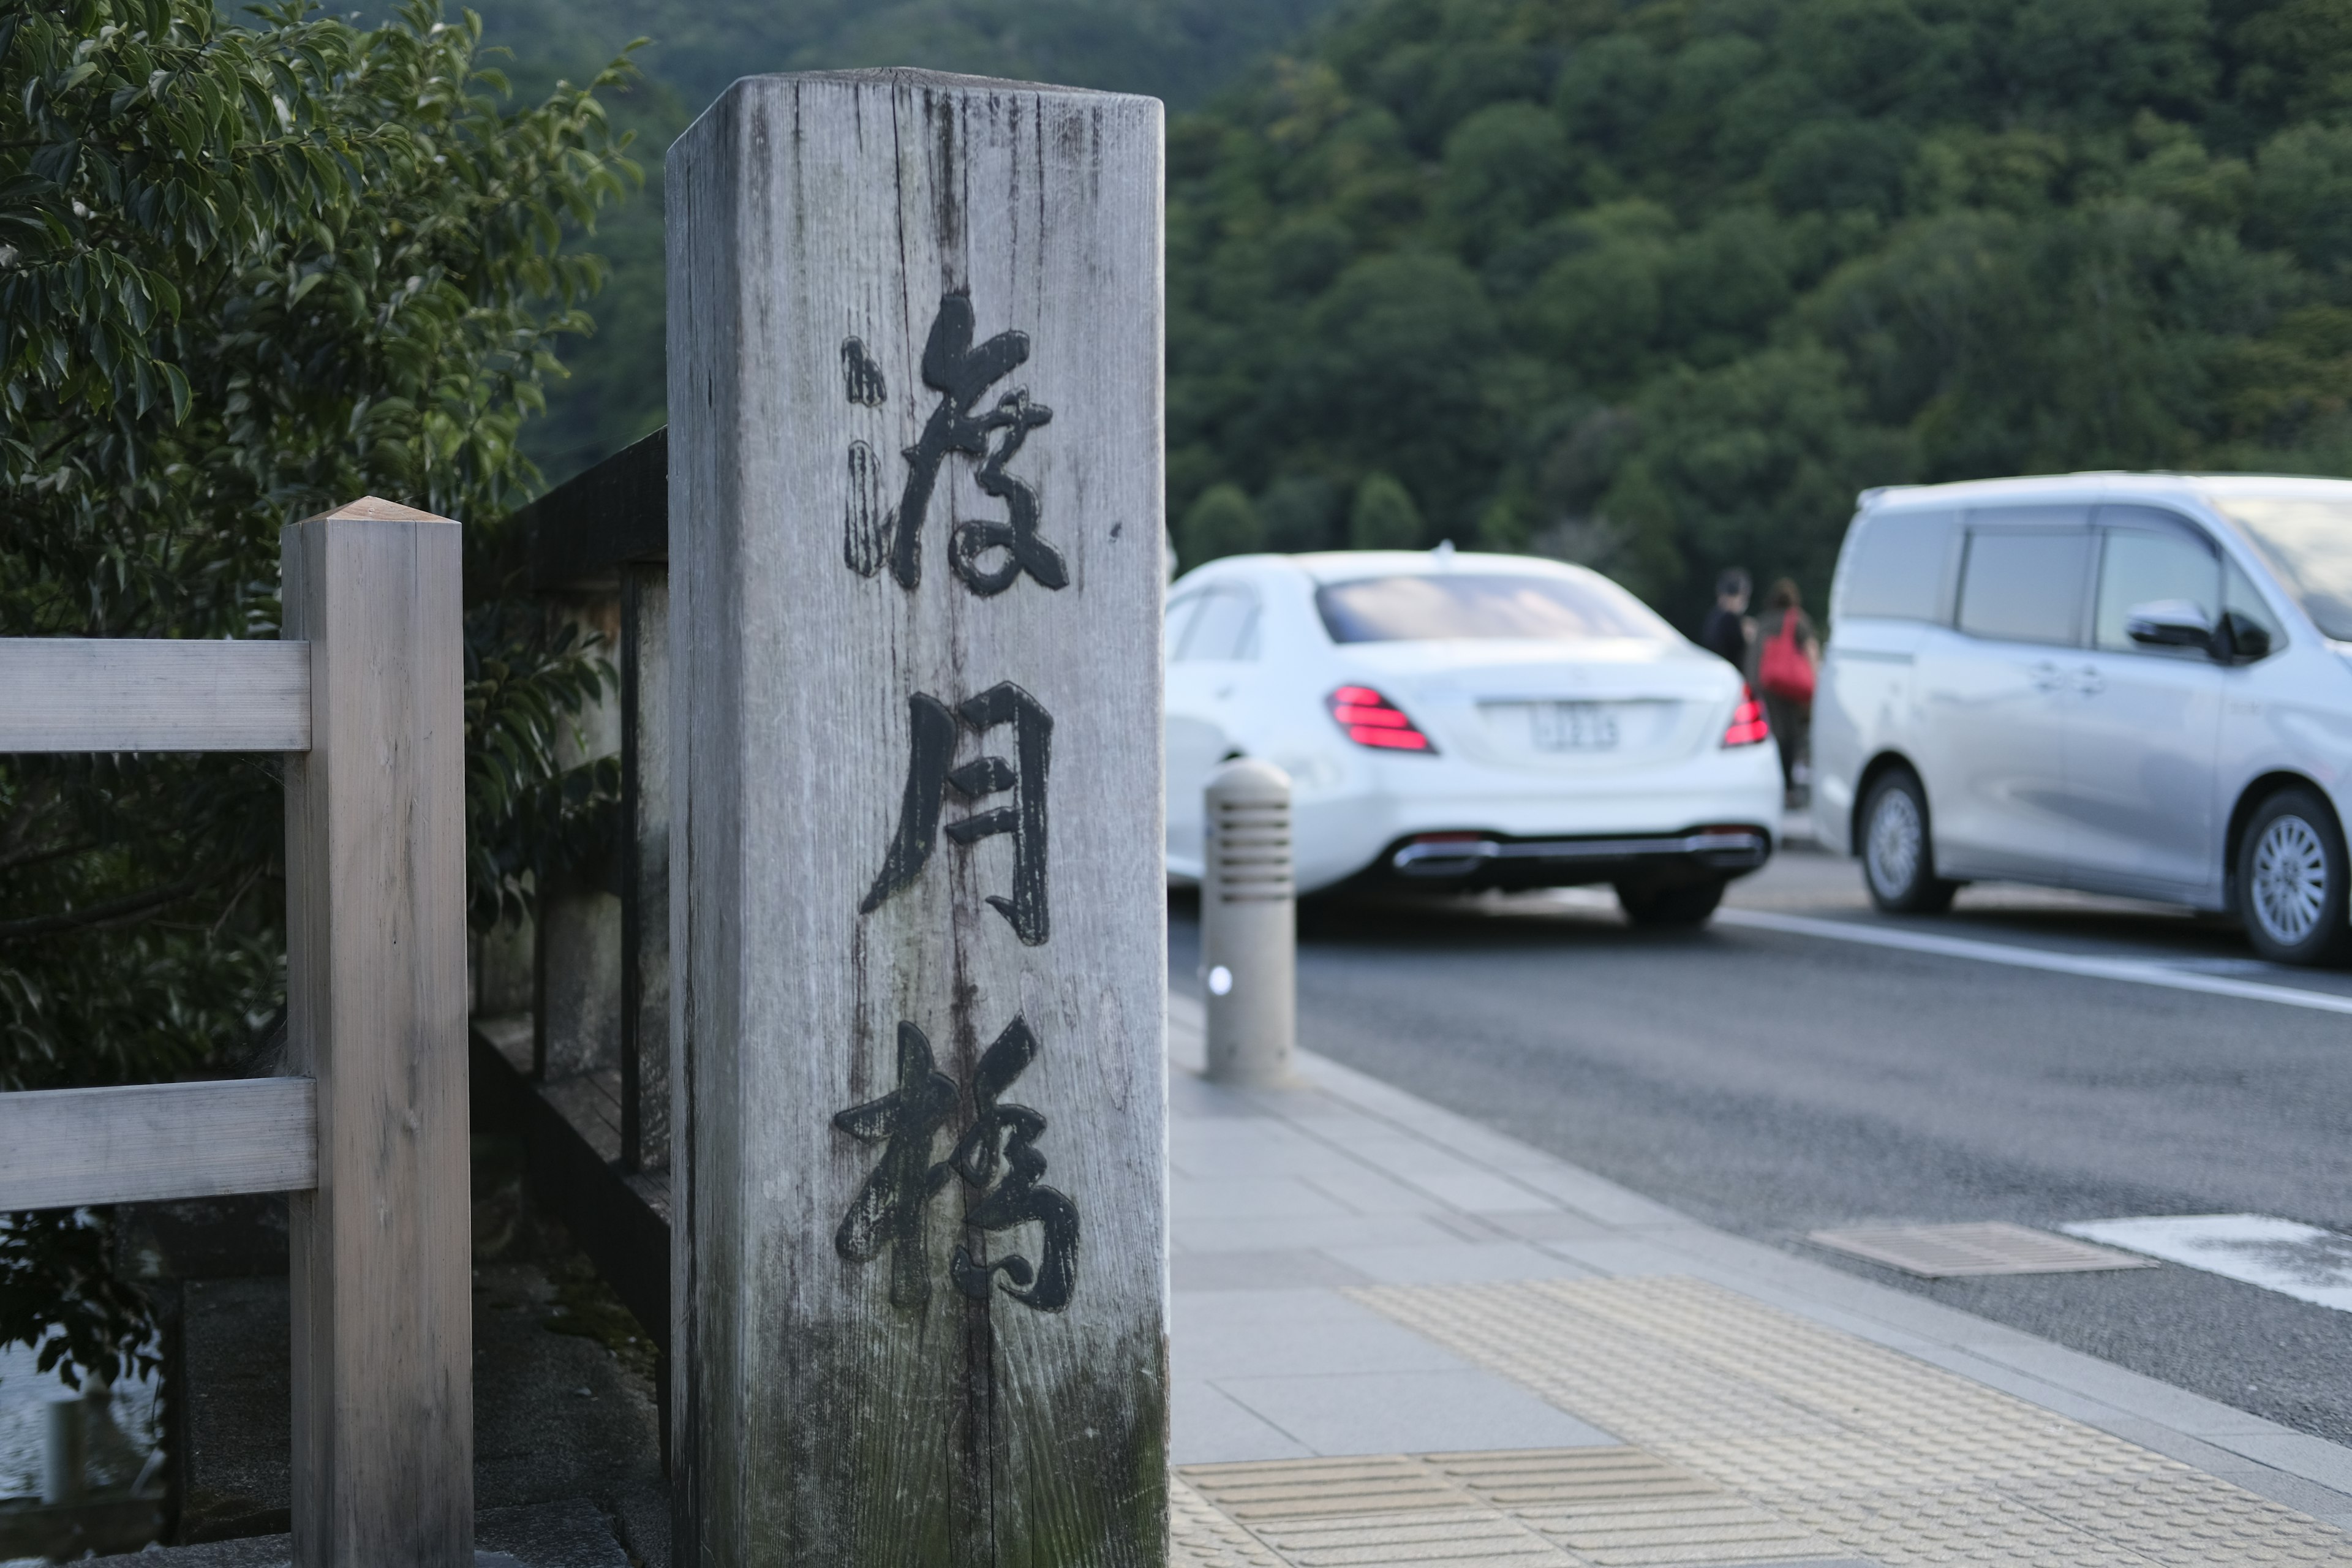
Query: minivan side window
(2140, 567)
(1894, 569)
(2023, 583)
(2241, 598)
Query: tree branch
(109, 912)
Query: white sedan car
(1455, 721)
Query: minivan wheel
(1899, 852)
(1686, 905)
(2291, 880)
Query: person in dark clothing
(1789, 655)
(1727, 628)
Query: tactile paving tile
(1201, 1537)
(1436, 1539)
(1551, 1508)
(1992, 1246)
(1887, 1458)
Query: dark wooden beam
(596, 521)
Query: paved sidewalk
(1400, 1338)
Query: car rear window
(1491, 606)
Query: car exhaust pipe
(1249, 941)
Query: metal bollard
(1249, 924)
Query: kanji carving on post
(931, 772)
(961, 373)
(1009, 1133)
(996, 1156)
(888, 1213)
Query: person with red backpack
(1785, 661)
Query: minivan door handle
(2047, 677)
(2092, 682)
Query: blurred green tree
(1383, 516)
(247, 272)
(1301, 512)
(1221, 522)
(1180, 50)
(1667, 285)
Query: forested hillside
(1180, 50)
(1660, 286)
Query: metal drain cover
(1992, 1246)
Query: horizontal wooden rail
(67, 1147)
(114, 694)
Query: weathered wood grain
(838, 1404)
(147, 1143)
(375, 827)
(645, 871)
(118, 694)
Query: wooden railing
(368, 1131)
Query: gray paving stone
(1209, 1426)
(1597, 1199)
(1410, 1158)
(1366, 1191)
(1254, 1197)
(1461, 1263)
(1264, 1270)
(1240, 1334)
(1282, 1153)
(2127, 1391)
(1549, 1224)
(1484, 1192)
(2313, 1458)
(1242, 1233)
(1188, 1096)
(1620, 1254)
(1397, 1412)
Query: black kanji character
(888, 1209)
(1008, 1134)
(961, 374)
(931, 773)
(996, 1154)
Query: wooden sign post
(918, 935)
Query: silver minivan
(2124, 683)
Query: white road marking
(2176, 976)
(2282, 1254)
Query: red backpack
(1784, 671)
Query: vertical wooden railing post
(376, 998)
(917, 917)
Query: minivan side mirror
(2242, 639)
(2169, 623)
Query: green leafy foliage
(1221, 522)
(1661, 286)
(1383, 517)
(1180, 50)
(246, 273)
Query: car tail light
(1371, 720)
(1747, 725)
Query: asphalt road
(1775, 1084)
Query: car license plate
(1571, 727)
